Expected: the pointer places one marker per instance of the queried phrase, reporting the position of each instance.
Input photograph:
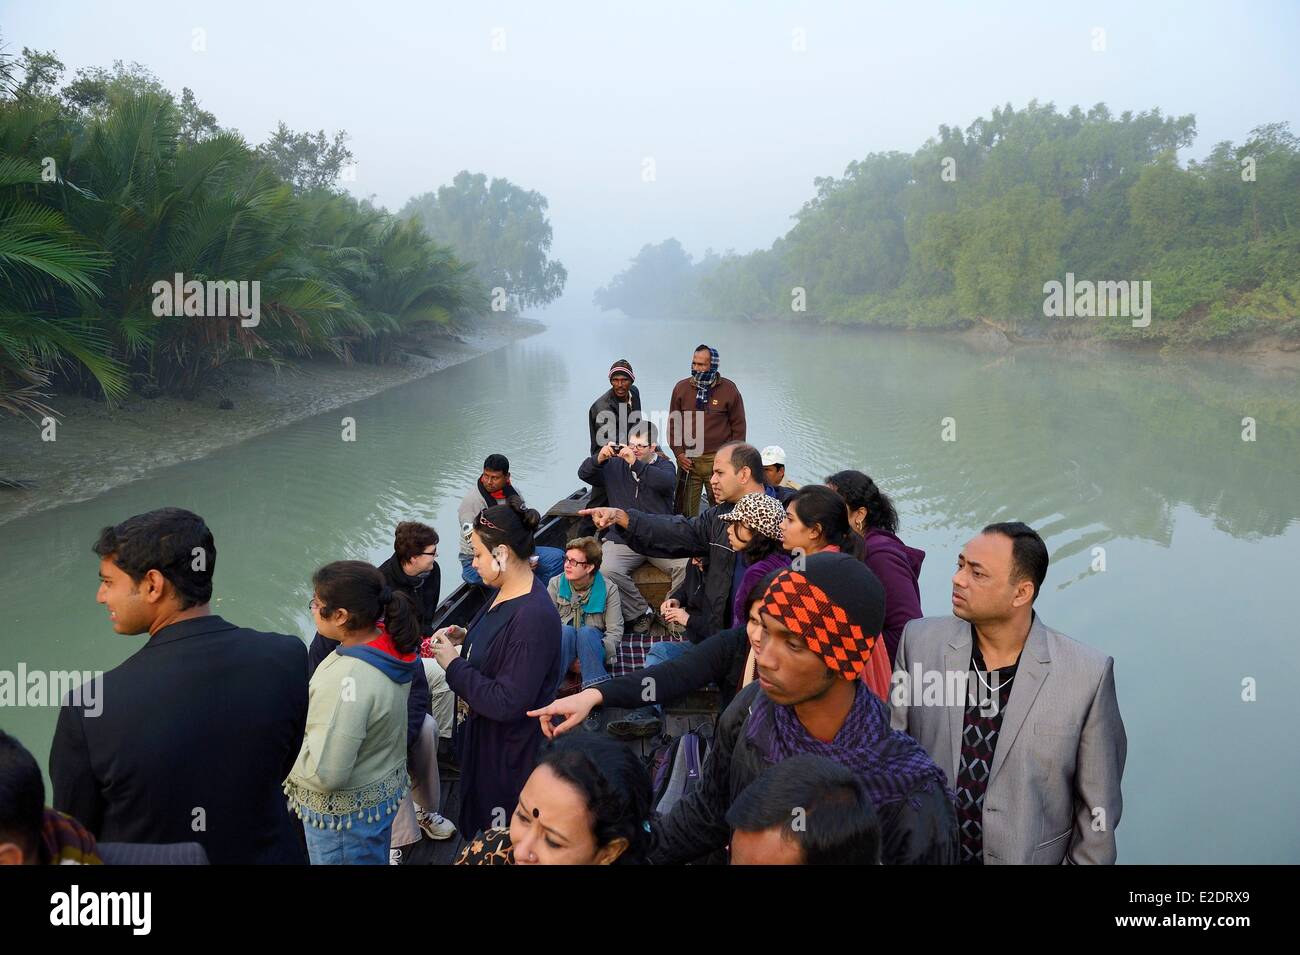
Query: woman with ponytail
(816, 520)
(510, 664)
(350, 775)
(898, 566)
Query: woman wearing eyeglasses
(590, 610)
(510, 664)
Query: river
(1172, 538)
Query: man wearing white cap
(774, 473)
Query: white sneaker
(435, 826)
(394, 856)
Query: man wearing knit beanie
(821, 623)
(612, 415)
(609, 420)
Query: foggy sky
(738, 123)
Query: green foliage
(501, 229)
(662, 280)
(116, 186)
(306, 161)
(971, 226)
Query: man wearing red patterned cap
(821, 624)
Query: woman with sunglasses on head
(510, 664)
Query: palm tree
(209, 211)
(46, 273)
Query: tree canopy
(111, 184)
(972, 225)
(501, 229)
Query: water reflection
(1143, 459)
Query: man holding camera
(634, 476)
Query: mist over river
(1122, 462)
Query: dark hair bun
(530, 518)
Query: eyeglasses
(429, 553)
(639, 447)
(570, 562)
(482, 519)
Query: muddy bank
(96, 448)
(1265, 354)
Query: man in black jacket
(636, 476)
(737, 471)
(820, 626)
(612, 415)
(199, 727)
(609, 421)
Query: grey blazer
(1053, 794)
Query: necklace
(989, 688)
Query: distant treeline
(972, 225)
(110, 184)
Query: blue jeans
(662, 653)
(586, 645)
(366, 843)
(467, 571)
(550, 561)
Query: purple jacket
(899, 568)
(752, 576)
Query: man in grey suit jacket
(1023, 719)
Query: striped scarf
(891, 765)
(705, 380)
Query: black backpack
(676, 767)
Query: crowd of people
(852, 729)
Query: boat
(697, 711)
(560, 524)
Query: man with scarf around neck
(705, 412)
(591, 612)
(820, 625)
(493, 487)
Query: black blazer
(197, 732)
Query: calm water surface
(1125, 460)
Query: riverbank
(1265, 354)
(96, 448)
